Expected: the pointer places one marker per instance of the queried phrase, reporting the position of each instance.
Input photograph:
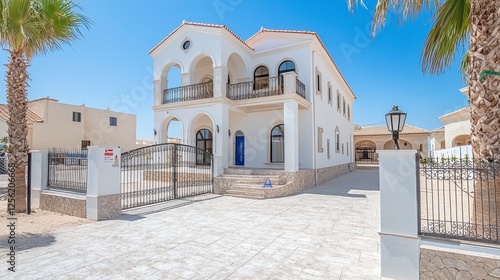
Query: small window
(77, 116)
(348, 112)
(113, 121)
(337, 140)
(85, 144)
(329, 93)
(186, 45)
(338, 101)
(342, 148)
(328, 148)
(343, 106)
(320, 140)
(347, 145)
(318, 82)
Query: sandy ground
(38, 222)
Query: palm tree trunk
(17, 82)
(484, 90)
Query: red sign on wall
(108, 152)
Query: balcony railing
(189, 92)
(261, 88)
(300, 88)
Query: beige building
(57, 125)
(369, 139)
(456, 129)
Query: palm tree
(28, 28)
(458, 23)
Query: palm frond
(449, 34)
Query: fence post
(400, 244)
(39, 175)
(103, 183)
(174, 166)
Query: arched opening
(261, 78)
(237, 68)
(366, 151)
(278, 144)
(200, 68)
(170, 80)
(443, 144)
(461, 140)
(174, 131)
(286, 66)
(204, 141)
(403, 145)
(239, 148)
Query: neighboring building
(56, 125)
(456, 130)
(369, 139)
(276, 100)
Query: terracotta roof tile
(382, 130)
(31, 116)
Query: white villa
(276, 101)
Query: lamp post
(395, 121)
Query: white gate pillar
(400, 244)
(291, 117)
(103, 183)
(39, 174)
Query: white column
(400, 244)
(158, 92)
(289, 81)
(39, 172)
(220, 76)
(221, 144)
(103, 183)
(291, 117)
(185, 79)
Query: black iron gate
(163, 172)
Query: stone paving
(327, 232)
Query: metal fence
(459, 198)
(163, 172)
(4, 162)
(68, 170)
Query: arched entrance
(204, 141)
(403, 145)
(239, 148)
(366, 150)
(461, 140)
(278, 144)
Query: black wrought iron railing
(261, 88)
(459, 198)
(188, 93)
(300, 88)
(163, 172)
(68, 170)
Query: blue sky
(110, 66)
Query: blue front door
(240, 150)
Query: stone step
(255, 179)
(246, 189)
(246, 196)
(246, 171)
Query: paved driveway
(327, 232)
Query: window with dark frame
(77, 116)
(261, 78)
(85, 144)
(329, 93)
(286, 66)
(337, 140)
(113, 121)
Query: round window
(186, 45)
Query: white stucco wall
(455, 129)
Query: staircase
(248, 183)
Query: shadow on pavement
(135, 214)
(28, 241)
(353, 184)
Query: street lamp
(395, 121)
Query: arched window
(278, 143)
(286, 66)
(261, 77)
(204, 142)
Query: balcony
(188, 93)
(262, 88)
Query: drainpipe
(313, 94)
